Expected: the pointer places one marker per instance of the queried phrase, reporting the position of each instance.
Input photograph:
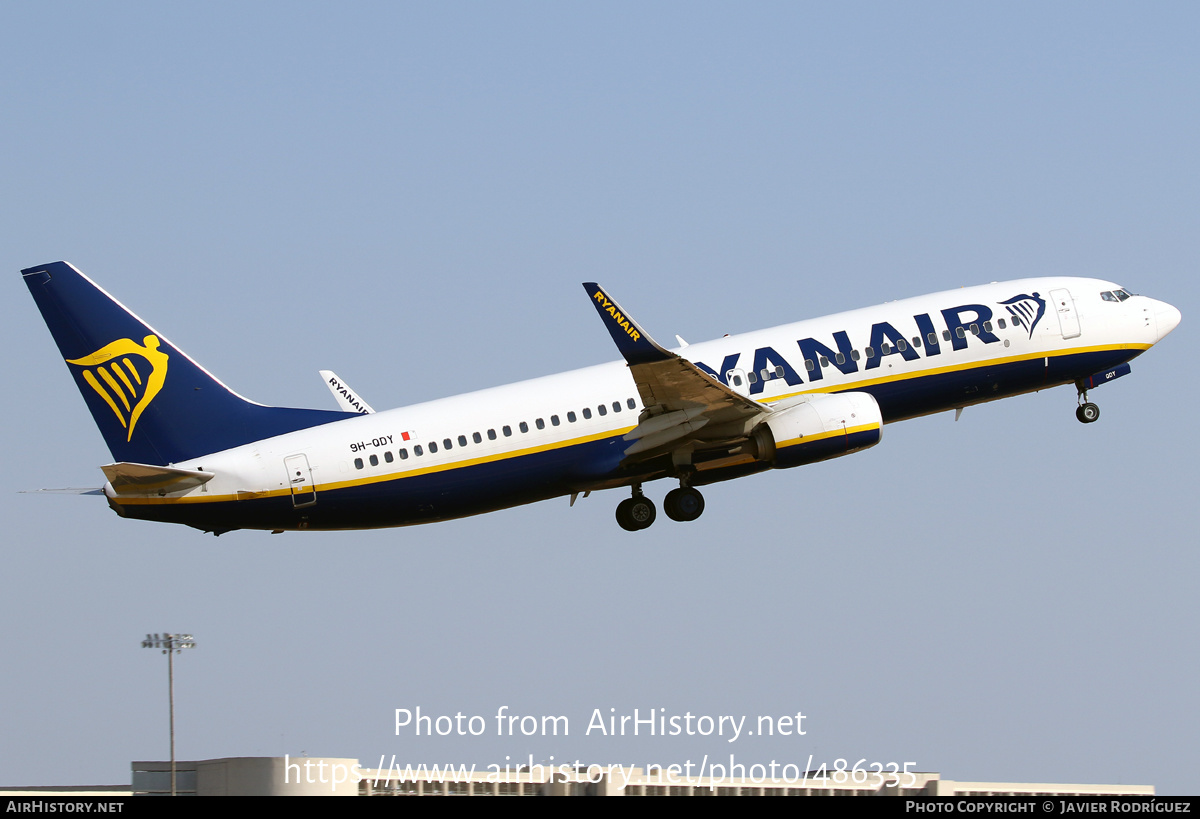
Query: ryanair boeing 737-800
(189, 450)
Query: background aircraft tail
(153, 404)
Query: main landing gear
(638, 512)
(1086, 412)
(683, 504)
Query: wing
(684, 406)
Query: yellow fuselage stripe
(843, 386)
(391, 476)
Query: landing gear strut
(1086, 412)
(637, 512)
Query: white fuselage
(561, 434)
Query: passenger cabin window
(491, 434)
(446, 443)
(916, 341)
(855, 355)
(462, 440)
(571, 417)
(404, 454)
(603, 410)
(587, 412)
(554, 420)
(418, 451)
(507, 430)
(1001, 324)
(824, 361)
(387, 456)
(476, 437)
(540, 424)
(358, 463)
(432, 447)
(629, 402)
(885, 348)
(374, 460)
(960, 333)
(946, 334)
(751, 378)
(616, 406)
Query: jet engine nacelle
(818, 428)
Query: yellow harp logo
(123, 371)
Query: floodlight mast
(170, 644)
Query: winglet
(635, 345)
(348, 400)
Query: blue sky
(410, 195)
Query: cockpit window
(1123, 294)
(1109, 295)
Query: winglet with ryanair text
(635, 345)
(666, 382)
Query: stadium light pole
(170, 644)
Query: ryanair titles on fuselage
(620, 320)
(885, 340)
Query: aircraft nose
(1167, 318)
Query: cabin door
(304, 491)
(1068, 319)
(736, 379)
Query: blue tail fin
(153, 404)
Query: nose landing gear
(1086, 412)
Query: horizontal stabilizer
(70, 490)
(146, 479)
